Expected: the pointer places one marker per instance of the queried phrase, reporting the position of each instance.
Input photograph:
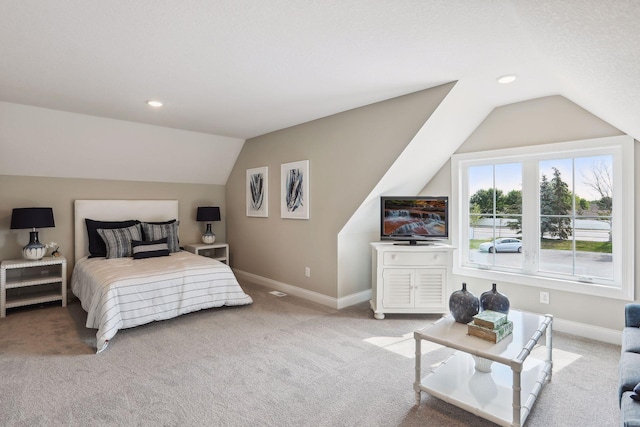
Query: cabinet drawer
(415, 258)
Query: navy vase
(494, 300)
(463, 305)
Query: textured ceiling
(243, 68)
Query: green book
(493, 335)
(490, 319)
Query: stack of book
(490, 325)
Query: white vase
(482, 364)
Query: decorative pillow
(118, 240)
(97, 247)
(156, 248)
(171, 221)
(167, 230)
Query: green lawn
(581, 245)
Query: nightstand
(219, 251)
(25, 282)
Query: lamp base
(208, 237)
(34, 249)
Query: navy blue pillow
(97, 247)
(142, 249)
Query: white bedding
(123, 292)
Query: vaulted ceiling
(243, 68)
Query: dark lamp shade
(32, 218)
(208, 213)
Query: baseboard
(337, 303)
(356, 298)
(597, 333)
(287, 289)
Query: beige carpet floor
(281, 361)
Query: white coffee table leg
(416, 384)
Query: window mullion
(530, 215)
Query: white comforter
(122, 293)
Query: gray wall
(59, 193)
(348, 154)
(539, 121)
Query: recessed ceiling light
(156, 104)
(508, 78)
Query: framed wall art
(258, 192)
(294, 203)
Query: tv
(414, 219)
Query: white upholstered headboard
(117, 210)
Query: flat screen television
(414, 219)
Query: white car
(505, 244)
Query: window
(558, 216)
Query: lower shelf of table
(39, 297)
(487, 395)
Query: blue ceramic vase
(463, 305)
(494, 300)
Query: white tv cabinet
(410, 278)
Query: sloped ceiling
(242, 68)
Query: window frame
(623, 237)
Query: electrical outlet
(544, 297)
(307, 272)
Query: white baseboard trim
(353, 299)
(287, 289)
(337, 303)
(598, 333)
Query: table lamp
(208, 214)
(32, 218)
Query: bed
(119, 292)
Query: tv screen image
(414, 218)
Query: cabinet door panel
(429, 288)
(398, 288)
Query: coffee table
(489, 380)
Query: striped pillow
(160, 231)
(156, 248)
(118, 240)
(97, 248)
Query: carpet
(282, 361)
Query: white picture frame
(294, 200)
(258, 192)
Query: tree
(546, 196)
(482, 203)
(605, 204)
(513, 205)
(513, 202)
(601, 181)
(582, 205)
(555, 205)
(484, 200)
